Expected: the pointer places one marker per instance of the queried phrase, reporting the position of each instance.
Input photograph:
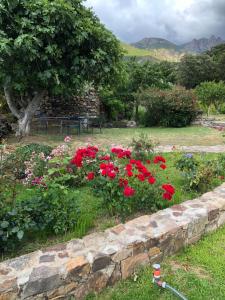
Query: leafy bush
(125, 184)
(52, 210)
(142, 146)
(15, 162)
(211, 93)
(199, 172)
(170, 108)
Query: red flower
(103, 166)
(167, 196)
(148, 161)
(123, 182)
(141, 177)
(128, 191)
(168, 188)
(151, 180)
(128, 167)
(129, 173)
(159, 159)
(133, 161)
(163, 166)
(111, 174)
(104, 172)
(105, 157)
(90, 176)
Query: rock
(100, 262)
(131, 124)
(129, 265)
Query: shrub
(52, 210)
(170, 108)
(211, 94)
(15, 162)
(125, 184)
(199, 173)
(142, 146)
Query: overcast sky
(176, 20)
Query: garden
(160, 143)
(56, 194)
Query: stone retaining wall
(100, 259)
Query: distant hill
(152, 54)
(201, 45)
(154, 43)
(194, 46)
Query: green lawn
(198, 272)
(188, 136)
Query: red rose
(103, 166)
(128, 191)
(148, 161)
(159, 159)
(123, 182)
(128, 167)
(90, 176)
(167, 196)
(111, 174)
(162, 166)
(141, 177)
(129, 173)
(151, 180)
(168, 188)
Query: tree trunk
(26, 114)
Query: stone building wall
(86, 265)
(59, 106)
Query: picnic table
(80, 123)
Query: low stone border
(100, 259)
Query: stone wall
(100, 259)
(71, 106)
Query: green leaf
(20, 234)
(4, 224)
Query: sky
(176, 20)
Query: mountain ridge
(194, 46)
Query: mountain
(154, 43)
(151, 54)
(194, 46)
(201, 45)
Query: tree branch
(11, 103)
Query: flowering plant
(126, 184)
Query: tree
(51, 46)
(211, 93)
(217, 54)
(194, 69)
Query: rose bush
(126, 184)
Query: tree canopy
(55, 46)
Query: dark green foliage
(194, 69)
(199, 172)
(169, 108)
(54, 45)
(218, 56)
(51, 210)
(15, 162)
(5, 127)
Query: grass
(188, 136)
(197, 272)
(154, 54)
(95, 218)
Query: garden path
(208, 149)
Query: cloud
(176, 20)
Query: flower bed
(58, 195)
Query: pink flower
(67, 139)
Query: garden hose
(158, 282)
